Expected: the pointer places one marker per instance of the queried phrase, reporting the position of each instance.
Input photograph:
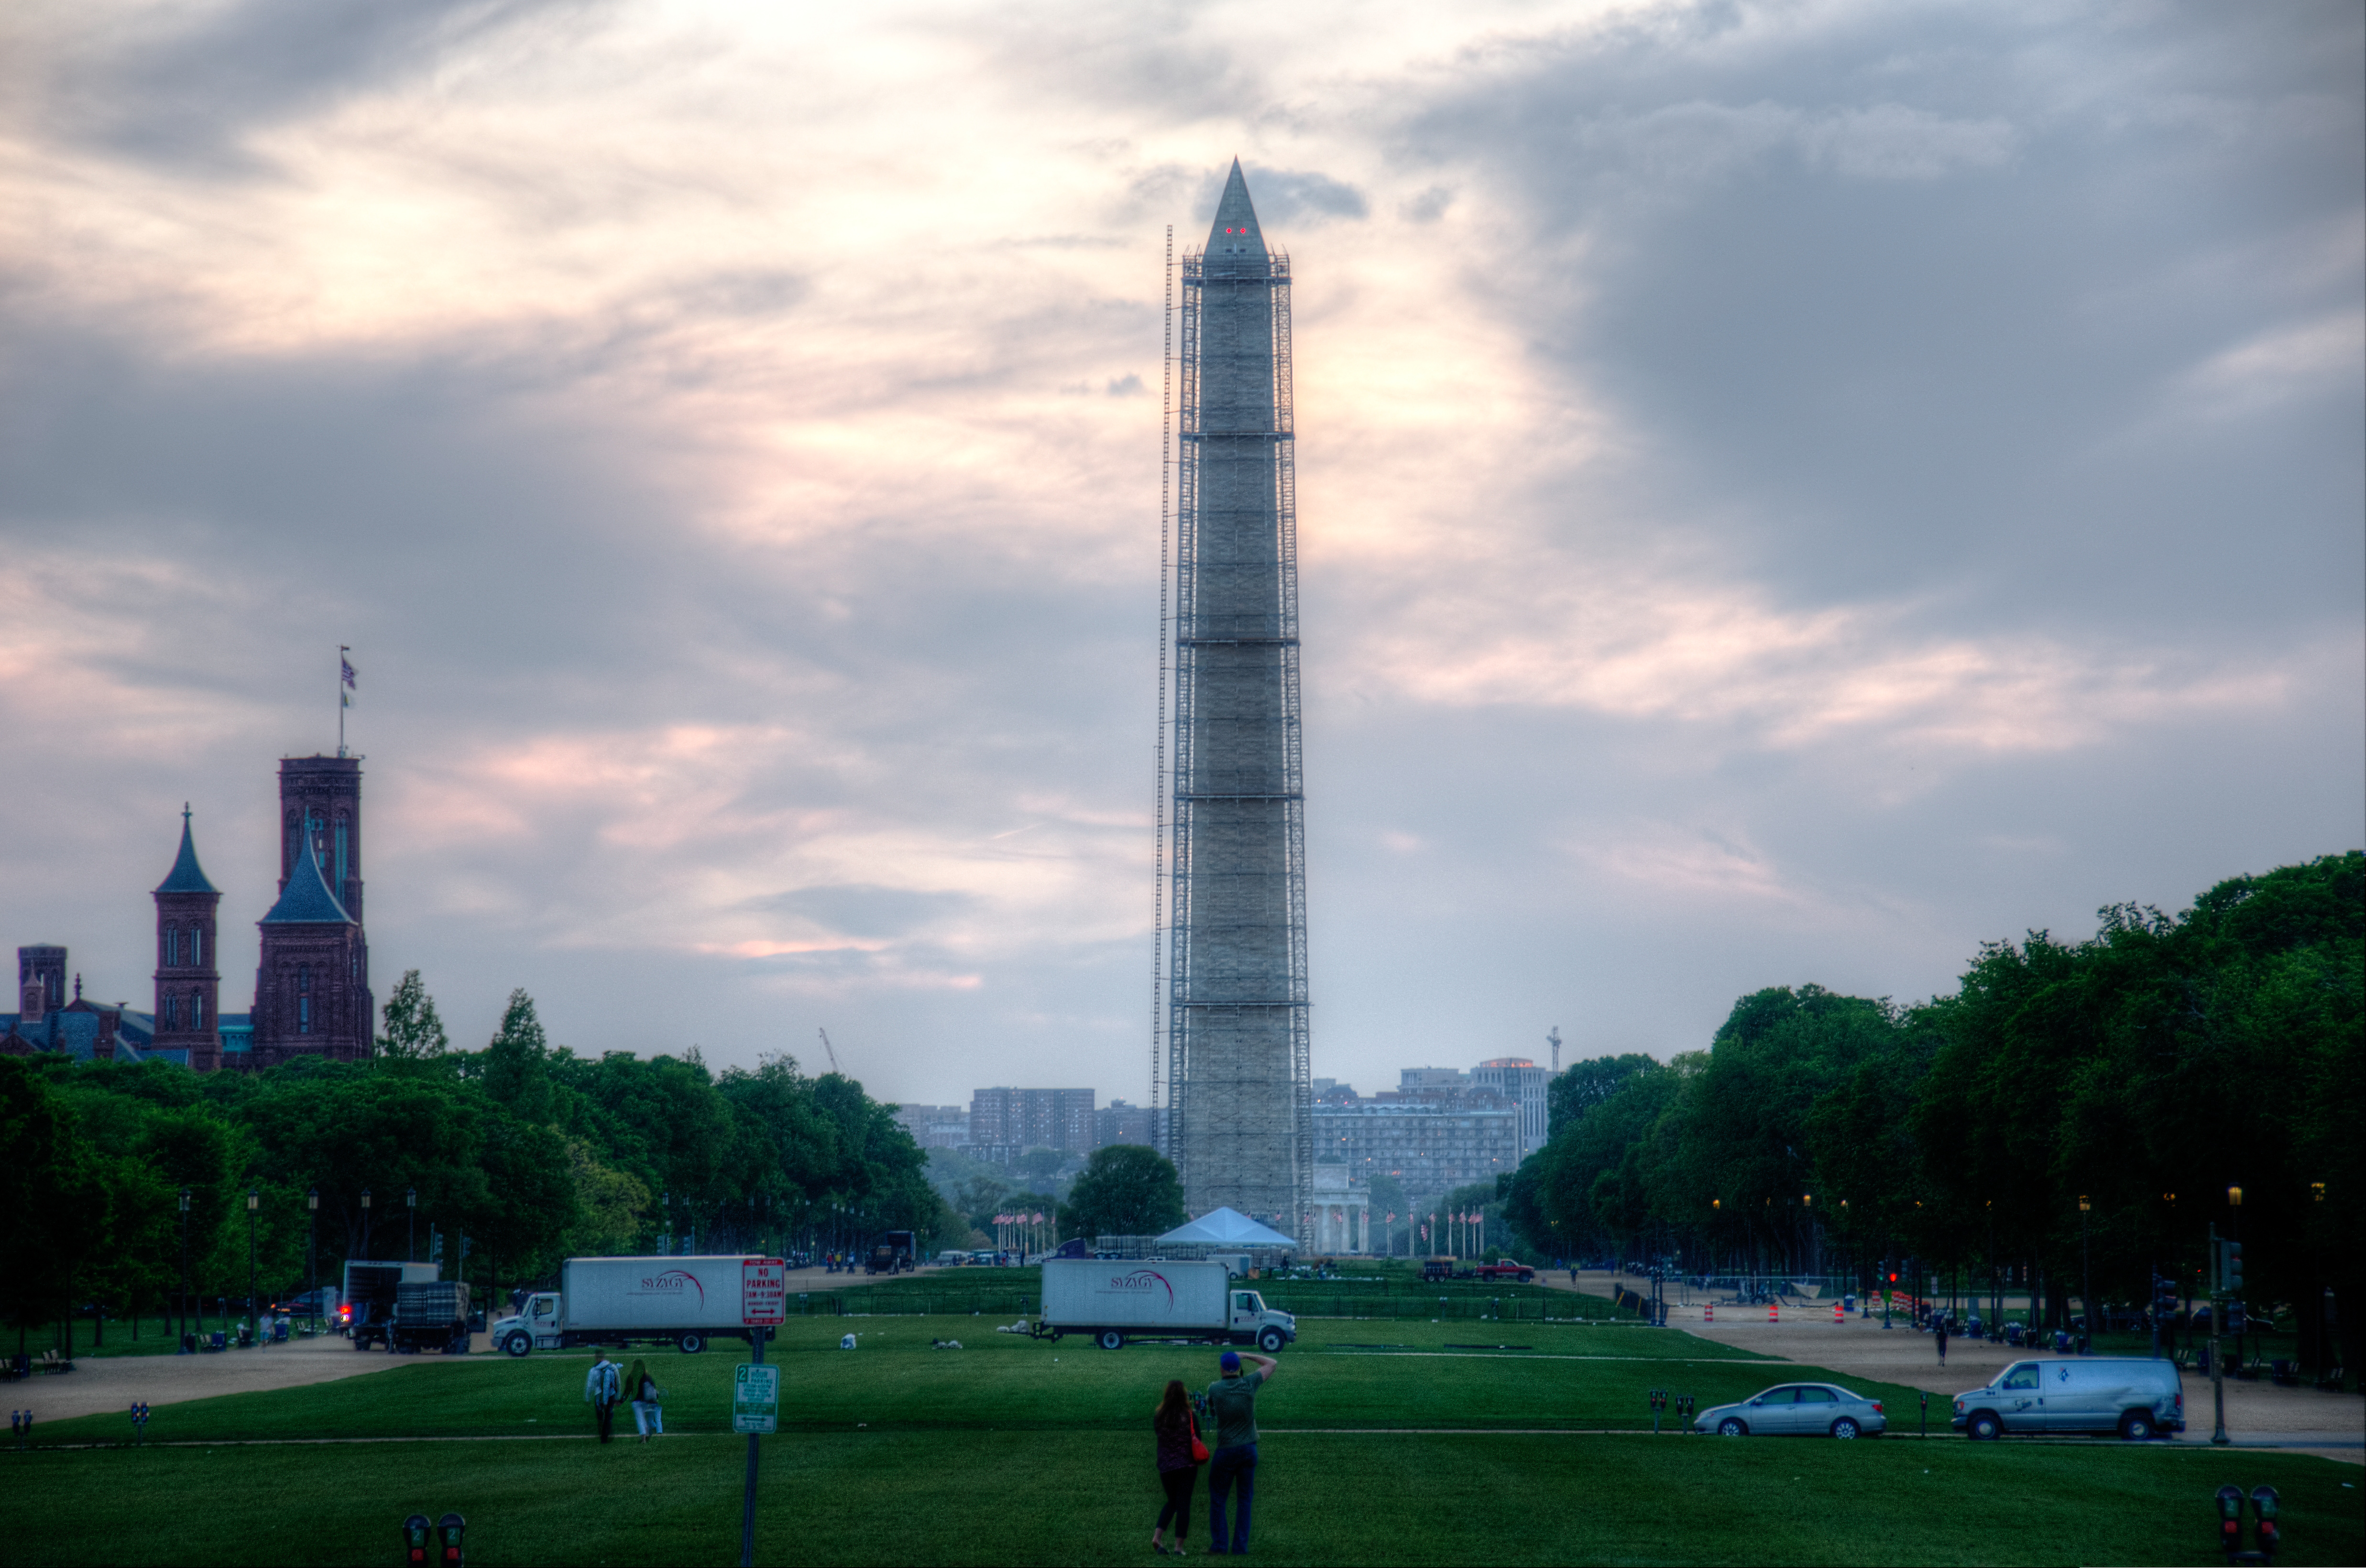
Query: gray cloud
(187, 92)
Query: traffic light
(2233, 1283)
(2238, 1320)
(435, 1245)
(468, 1244)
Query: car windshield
(2022, 1376)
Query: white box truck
(1197, 1302)
(683, 1302)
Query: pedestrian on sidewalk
(648, 1409)
(602, 1389)
(1232, 1400)
(1940, 1329)
(1179, 1456)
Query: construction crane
(833, 1054)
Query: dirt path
(99, 1384)
(2258, 1414)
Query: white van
(2138, 1398)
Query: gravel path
(99, 1384)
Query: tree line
(530, 1152)
(2071, 1108)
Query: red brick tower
(311, 990)
(188, 988)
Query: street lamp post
(185, 1272)
(312, 1254)
(665, 1201)
(2086, 1278)
(366, 1222)
(411, 1207)
(253, 1203)
(2235, 1201)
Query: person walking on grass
(1178, 1464)
(602, 1389)
(649, 1413)
(1232, 1401)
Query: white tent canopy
(1227, 1227)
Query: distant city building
(1342, 1211)
(936, 1126)
(1432, 1078)
(1032, 1119)
(1524, 1083)
(1119, 1123)
(1431, 1144)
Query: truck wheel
(692, 1343)
(1984, 1428)
(2137, 1426)
(1270, 1342)
(518, 1344)
(1111, 1339)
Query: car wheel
(1984, 1428)
(692, 1343)
(2136, 1428)
(517, 1344)
(1844, 1428)
(1270, 1342)
(1111, 1339)
(1731, 1426)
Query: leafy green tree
(1124, 1190)
(516, 1069)
(414, 1030)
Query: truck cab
(1253, 1323)
(533, 1326)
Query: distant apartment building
(1431, 1141)
(936, 1126)
(1033, 1118)
(1118, 1122)
(1524, 1083)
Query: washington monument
(1240, 1123)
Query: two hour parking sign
(755, 1398)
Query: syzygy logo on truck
(671, 1286)
(1146, 1282)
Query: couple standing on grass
(603, 1387)
(1231, 1403)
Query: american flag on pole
(346, 677)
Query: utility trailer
(366, 1301)
(683, 1302)
(430, 1314)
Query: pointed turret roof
(307, 899)
(1236, 229)
(186, 876)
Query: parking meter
(414, 1542)
(2230, 1521)
(452, 1527)
(1659, 1403)
(2263, 1503)
(139, 1420)
(1926, 1413)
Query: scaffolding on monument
(1281, 633)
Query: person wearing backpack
(602, 1389)
(1180, 1455)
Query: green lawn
(1011, 1450)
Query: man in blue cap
(1232, 1400)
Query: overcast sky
(1788, 492)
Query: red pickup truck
(1506, 1269)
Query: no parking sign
(764, 1292)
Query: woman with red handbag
(1180, 1455)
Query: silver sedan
(1798, 1410)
